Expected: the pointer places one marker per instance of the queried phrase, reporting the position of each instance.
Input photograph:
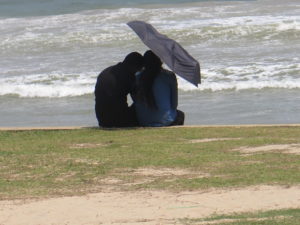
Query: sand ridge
(146, 207)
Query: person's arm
(133, 91)
(174, 91)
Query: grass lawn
(273, 217)
(52, 163)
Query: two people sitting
(153, 90)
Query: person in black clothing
(111, 90)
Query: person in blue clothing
(156, 97)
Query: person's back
(165, 95)
(111, 90)
(157, 95)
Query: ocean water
(51, 53)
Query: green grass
(42, 163)
(273, 217)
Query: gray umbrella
(170, 52)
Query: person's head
(151, 61)
(134, 61)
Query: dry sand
(145, 207)
(282, 148)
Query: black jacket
(112, 87)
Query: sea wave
(52, 85)
(239, 46)
(108, 27)
(59, 84)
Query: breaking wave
(219, 79)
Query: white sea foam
(58, 84)
(48, 85)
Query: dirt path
(147, 207)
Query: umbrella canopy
(170, 52)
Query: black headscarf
(153, 66)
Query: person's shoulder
(107, 69)
(111, 69)
(168, 74)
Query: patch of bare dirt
(146, 207)
(212, 140)
(111, 181)
(87, 145)
(148, 175)
(162, 172)
(284, 148)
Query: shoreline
(185, 126)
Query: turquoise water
(52, 51)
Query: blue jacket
(166, 98)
